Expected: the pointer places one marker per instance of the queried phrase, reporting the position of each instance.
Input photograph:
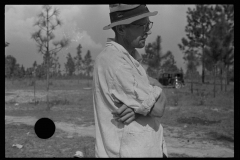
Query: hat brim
(130, 20)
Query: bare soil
(179, 141)
(188, 135)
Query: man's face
(135, 36)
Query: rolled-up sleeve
(125, 88)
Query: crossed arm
(126, 114)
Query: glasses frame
(145, 26)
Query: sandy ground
(175, 145)
(178, 142)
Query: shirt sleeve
(126, 89)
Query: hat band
(122, 15)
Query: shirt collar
(111, 41)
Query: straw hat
(127, 13)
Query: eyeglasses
(146, 27)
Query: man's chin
(141, 46)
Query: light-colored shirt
(118, 78)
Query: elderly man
(127, 104)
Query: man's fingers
(127, 116)
(120, 110)
(126, 111)
(124, 114)
(129, 120)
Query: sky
(83, 24)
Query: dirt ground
(189, 145)
(182, 141)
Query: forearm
(140, 99)
(154, 82)
(158, 108)
(149, 101)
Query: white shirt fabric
(118, 78)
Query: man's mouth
(144, 38)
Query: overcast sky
(84, 24)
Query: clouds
(71, 13)
(72, 17)
(17, 24)
(84, 24)
(19, 20)
(78, 36)
(87, 42)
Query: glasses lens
(148, 26)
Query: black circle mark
(44, 128)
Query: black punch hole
(44, 128)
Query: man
(127, 107)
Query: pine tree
(78, 60)
(70, 65)
(10, 63)
(169, 63)
(191, 58)
(213, 52)
(88, 65)
(222, 34)
(47, 22)
(153, 57)
(22, 71)
(199, 24)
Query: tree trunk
(48, 107)
(34, 88)
(191, 83)
(226, 78)
(88, 80)
(203, 72)
(228, 81)
(48, 56)
(214, 83)
(221, 72)
(203, 64)
(12, 79)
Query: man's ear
(120, 29)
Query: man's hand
(124, 114)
